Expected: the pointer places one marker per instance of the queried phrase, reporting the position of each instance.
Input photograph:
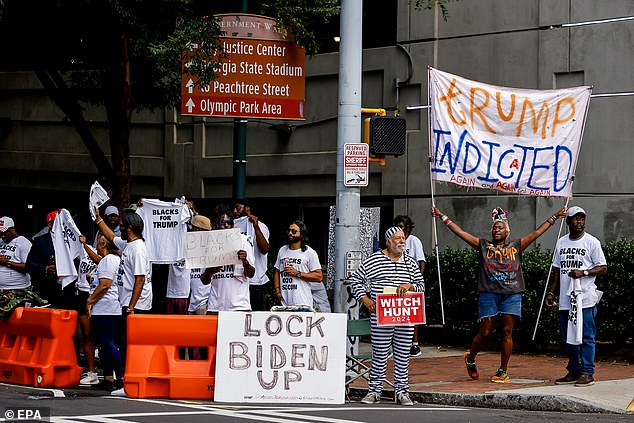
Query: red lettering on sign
(394, 310)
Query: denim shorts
(492, 305)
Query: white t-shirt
(294, 290)
(16, 251)
(86, 267)
(414, 248)
(583, 254)
(320, 297)
(199, 291)
(178, 281)
(229, 288)
(164, 226)
(109, 304)
(261, 260)
(65, 236)
(134, 262)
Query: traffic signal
(387, 135)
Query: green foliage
(616, 309)
(459, 269)
(302, 18)
(111, 49)
(459, 288)
(157, 34)
(536, 265)
(127, 56)
(430, 4)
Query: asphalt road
(76, 407)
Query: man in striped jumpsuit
(387, 268)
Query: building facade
(292, 165)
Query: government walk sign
(508, 139)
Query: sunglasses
(225, 222)
(292, 231)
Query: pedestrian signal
(387, 135)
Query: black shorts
(82, 299)
(74, 299)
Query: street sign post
(261, 75)
(355, 165)
(261, 79)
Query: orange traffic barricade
(36, 348)
(154, 364)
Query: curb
(557, 403)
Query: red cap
(51, 216)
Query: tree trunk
(119, 110)
(61, 95)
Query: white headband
(391, 231)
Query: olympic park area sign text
(258, 79)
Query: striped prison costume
(375, 273)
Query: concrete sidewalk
(439, 376)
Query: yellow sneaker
(501, 376)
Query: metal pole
(348, 201)
(550, 270)
(239, 158)
(433, 200)
(240, 144)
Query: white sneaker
(404, 399)
(118, 393)
(371, 398)
(89, 378)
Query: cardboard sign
(212, 248)
(281, 357)
(393, 310)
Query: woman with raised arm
(104, 309)
(500, 283)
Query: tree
(126, 56)
(430, 4)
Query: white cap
(575, 210)
(111, 210)
(5, 224)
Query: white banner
(508, 139)
(212, 248)
(281, 357)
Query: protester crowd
(110, 278)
